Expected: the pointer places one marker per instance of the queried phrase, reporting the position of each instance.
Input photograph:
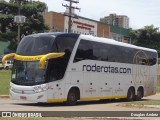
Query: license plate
(23, 97)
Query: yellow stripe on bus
(99, 98)
(85, 99)
(56, 100)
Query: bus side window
(152, 58)
(57, 66)
(100, 51)
(84, 51)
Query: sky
(140, 12)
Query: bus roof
(54, 33)
(113, 42)
(96, 39)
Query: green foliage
(147, 37)
(34, 21)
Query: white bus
(67, 67)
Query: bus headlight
(40, 88)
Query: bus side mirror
(49, 56)
(7, 56)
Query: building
(119, 34)
(58, 22)
(82, 25)
(54, 20)
(103, 30)
(116, 20)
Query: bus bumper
(37, 97)
(27, 94)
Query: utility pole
(19, 19)
(19, 25)
(70, 14)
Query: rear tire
(72, 97)
(139, 95)
(130, 94)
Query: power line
(70, 14)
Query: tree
(146, 37)
(34, 20)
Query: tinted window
(113, 53)
(35, 45)
(65, 44)
(27, 73)
(84, 51)
(127, 55)
(99, 51)
(152, 58)
(57, 67)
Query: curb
(4, 96)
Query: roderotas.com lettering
(106, 69)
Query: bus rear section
(107, 69)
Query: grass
(5, 76)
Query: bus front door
(55, 91)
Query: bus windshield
(35, 45)
(27, 73)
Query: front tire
(72, 97)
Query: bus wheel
(139, 94)
(72, 97)
(130, 94)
